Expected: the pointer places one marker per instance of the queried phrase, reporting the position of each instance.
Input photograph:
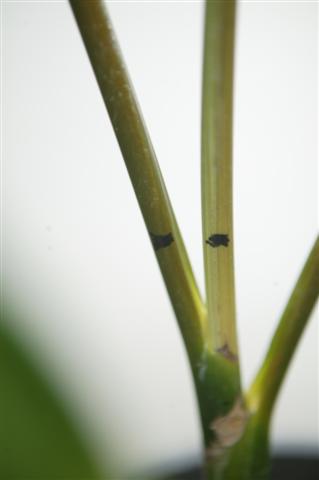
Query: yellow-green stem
(142, 166)
(223, 412)
(217, 106)
(264, 390)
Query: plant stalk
(119, 98)
(263, 393)
(218, 241)
(223, 411)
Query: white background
(77, 259)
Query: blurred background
(77, 262)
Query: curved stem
(264, 390)
(217, 105)
(118, 95)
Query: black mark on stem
(161, 241)
(218, 240)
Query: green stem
(223, 413)
(217, 105)
(142, 166)
(264, 390)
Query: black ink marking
(218, 240)
(161, 241)
(225, 351)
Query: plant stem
(264, 390)
(223, 412)
(217, 105)
(142, 166)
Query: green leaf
(37, 438)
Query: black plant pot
(283, 468)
